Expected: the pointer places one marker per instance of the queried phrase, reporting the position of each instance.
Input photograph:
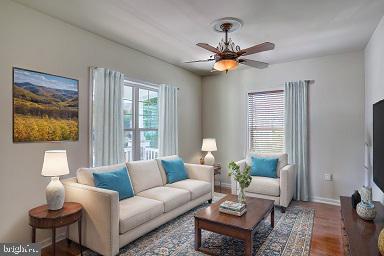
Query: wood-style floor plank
(326, 236)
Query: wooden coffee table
(243, 227)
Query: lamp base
(209, 159)
(55, 194)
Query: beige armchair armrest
(100, 223)
(201, 172)
(234, 184)
(287, 184)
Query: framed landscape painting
(45, 107)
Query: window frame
(136, 130)
(247, 128)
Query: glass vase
(241, 196)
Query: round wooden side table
(41, 217)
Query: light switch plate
(328, 176)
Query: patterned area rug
(291, 236)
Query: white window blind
(266, 122)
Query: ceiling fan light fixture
(225, 65)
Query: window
(141, 119)
(266, 122)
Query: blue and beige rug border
(291, 236)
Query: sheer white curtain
(168, 134)
(296, 133)
(106, 122)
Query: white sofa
(108, 224)
(280, 189)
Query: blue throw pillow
(174, 170)
(264, 167)
(115, 180)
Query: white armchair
(280, 189)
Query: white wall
(336, 116)
(29, 39)
(374, 86)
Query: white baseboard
(47, 242)
(315, 199)
(325, 200)
(226, 185)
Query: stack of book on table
(233, 208)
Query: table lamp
(209, 145)
(55, 164)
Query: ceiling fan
(228, 55)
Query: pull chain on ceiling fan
(227, 54)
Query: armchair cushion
(283, 159)
(265, 186)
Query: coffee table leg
(248, 245)
(273, 217)
(197, 235)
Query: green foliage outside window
(150, 120)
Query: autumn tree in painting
(45, 107)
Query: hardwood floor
(326, 236)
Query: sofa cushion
(85, 175)
(283, 159)
(162, 171)
(175, 170)
(171, 197)
(117, 180)
(137, 210)
(144, 175)
(264, 186)
(196, 188)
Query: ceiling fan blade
(254, 63)
(267, 46)
(194, 61)
(208, 47)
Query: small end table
(217, 171)
(41, 217)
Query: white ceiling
(169, 29)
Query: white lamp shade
(209, 144)
(55, 163)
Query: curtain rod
(137, 80)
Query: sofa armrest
(100, 222)
(201, 172)
(287, 184)
(234, 184)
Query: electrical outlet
(328, 176)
